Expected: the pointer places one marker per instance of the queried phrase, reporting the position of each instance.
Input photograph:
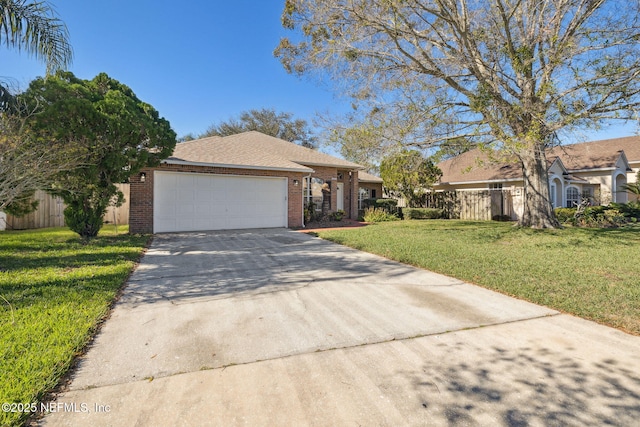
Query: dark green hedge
(386, 204)
(422, 213)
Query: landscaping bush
(599, 217)
(422, 213)
(388, 205)
(613, 215)
(378, 215)
(565, 215)
(630, 210)
(337, 215)
(603, 216)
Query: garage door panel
(194, 202)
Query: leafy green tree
(409, 173)
(363, 139)
(33, 26)
(509, 74)
(267, 121)
(108, 128)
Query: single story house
(248, 180)
(596, 169)
(370, 188)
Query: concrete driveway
(274, 327)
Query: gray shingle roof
(367, 177)
(475, 166)
(218, 151)
(597, 154)
(255, 150)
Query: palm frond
(35, 28)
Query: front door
(340, 196)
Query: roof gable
(254, 150)
(622, 162)
(557, 167)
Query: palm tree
(634, 187)
(33, 26)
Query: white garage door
(195, 202)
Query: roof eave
(591, 170)
(329, 165)
(482, 181)
(301, 169)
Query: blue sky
(196, 62)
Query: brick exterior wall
(373, 186)
(329, 177)
(141, 195)
(332, 176)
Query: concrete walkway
(274, 327)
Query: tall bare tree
(27, 162)
(505, 73)
(267, 121)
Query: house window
(573, 197)
(363, 194)
(313, 192)
(495, 186)
(373, 193)
(552, 194)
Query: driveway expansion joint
(326, 350)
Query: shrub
(600, 216)
(422, 213)
(378, 215)
(83, 219)
(565, 215)
(337, 215)
(388, 205)
(630, 210)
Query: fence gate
(474, 205)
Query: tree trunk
(538, 212)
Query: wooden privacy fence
(479, 205)
(50, 213)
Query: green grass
(54, 290)
(591, 273)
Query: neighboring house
(249, 180)
(597, 169)
(370, 188)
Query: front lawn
(54, 290)
(592, 273)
